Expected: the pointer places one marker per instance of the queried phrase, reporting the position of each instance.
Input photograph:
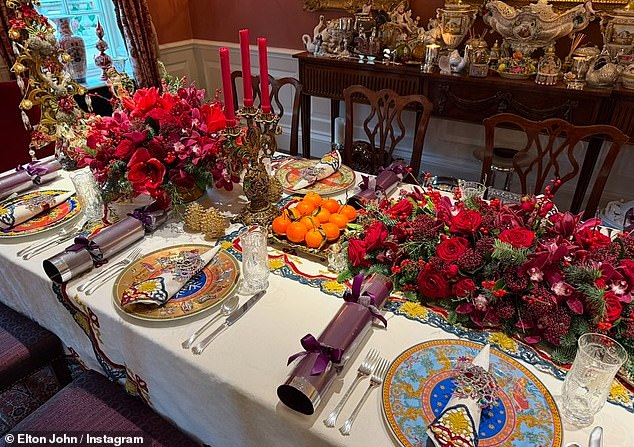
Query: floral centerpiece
(543, 276)
(160, 143)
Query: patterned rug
(23, 397)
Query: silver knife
(200, 347)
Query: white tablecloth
(227, 396)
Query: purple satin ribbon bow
(83, 243)
(142, 215)
(149, 216)
(326, 354)
(366, 299)
(34, 171)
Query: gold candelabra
(40, 73)
(256, 145)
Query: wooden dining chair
(279, 88)
(380, 113)
(554, 149)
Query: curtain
(6, 52)
(135, 23)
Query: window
(84, 15)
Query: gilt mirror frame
(389, 5)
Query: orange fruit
(310, 222)
(349, 212)
(339, 219)
(314, 238)
(323, 215)
(280, 223)
(305, 208)
(331, 205)
(331, 230)
(295, 232)
(313, 198)
(294, 213)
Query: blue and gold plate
(44, 221)
(205, 290)
(419, 384)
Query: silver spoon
(228, 306)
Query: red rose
(451, 249)
(432, 284)
(517, 237)
(145, 173)
(613, 307)
(464, 287)
(214, 118)
(466, 221)
(590, 238)
(404, 207)
(356, 253)
(124, 150)
(375, 235)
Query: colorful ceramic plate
(205, 290)
(508, 75)
(290, 172)
(47, 220)
(419, 384)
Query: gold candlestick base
(257, 144)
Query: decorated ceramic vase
(76, 49)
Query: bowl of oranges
(312, 224)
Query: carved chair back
(553, 149)
(279, 89)
(383, 127)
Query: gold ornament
(275, 190)
(192, 216)
(26, 104)
(212, 224)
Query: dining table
(227, 396)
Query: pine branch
(507, 254)
(579, 275)
(564, 354)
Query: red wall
(171, 19)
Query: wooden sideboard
(465, 98)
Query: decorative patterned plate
(289, 173)
(419, 384)
(47, 220)
(509, 75)
(203, 291)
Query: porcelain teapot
(603, 72)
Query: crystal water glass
(471, 189)
(255, 260)
(88, 194)
(589, 380)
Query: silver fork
(376, 379)
(364, 370)
(38, 247)
(96, 281)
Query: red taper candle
(264, 75)
(225, 70)
(245, 53)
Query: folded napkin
(21, 212)
(171, 276)
(24, 177)
(476, 389)
(328, 165)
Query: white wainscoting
(448, 145)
